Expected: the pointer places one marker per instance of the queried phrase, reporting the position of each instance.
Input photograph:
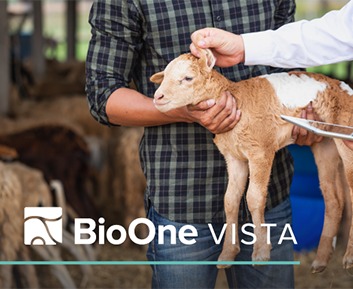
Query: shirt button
(219, 18)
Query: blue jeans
(205, 249)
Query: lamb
(249, 149)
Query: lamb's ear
(207, 58)
(210, 59)
(158, 77)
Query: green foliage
(338, 71)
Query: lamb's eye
(188, 78)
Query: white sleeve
(305, 43)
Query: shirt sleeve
(305, 43)
(112, 53)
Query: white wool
(344, 86)
(294, 91)
(178, 69)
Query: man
(185, 172)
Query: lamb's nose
(158, 97)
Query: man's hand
(302, 136)
(228, 48)
(217, 118)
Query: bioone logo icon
(42, 225)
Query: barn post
(71, 22)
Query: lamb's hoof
(224, 258)
(223, 266)
(347, 262)
(261, 257)
(317, 268)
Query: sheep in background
(20, 187)
(250, 147)
(11, 230)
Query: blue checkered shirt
(186, 174)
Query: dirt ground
(140, 276)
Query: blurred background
(52, 153)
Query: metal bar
(71, 29)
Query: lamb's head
(183, 81)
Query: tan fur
(252, 144)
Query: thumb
(210, 42)
(203, 105)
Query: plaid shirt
(131, 39)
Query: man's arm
(301, 44)
(131, 108)
(113, 51)
(305, 43)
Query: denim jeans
(205, 249)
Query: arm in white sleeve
(305, 43)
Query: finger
(204, 32)
(303, 132)
(311, 115)
(219, 118)
(295, 133)
(231, 120)
(319, 138)
(237, 118)
(218, 107)
(203, 105)
(227, 110)
(206, 117)
(209, 42)
(310, 138)
(194, 50)
(310, 112)
(235, 121)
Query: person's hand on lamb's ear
(228, 48)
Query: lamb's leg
(238, 171)
(329, 166)
(260, 170)
(347, 157)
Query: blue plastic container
(307, 201)
(308, 220)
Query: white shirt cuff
(258, 47)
